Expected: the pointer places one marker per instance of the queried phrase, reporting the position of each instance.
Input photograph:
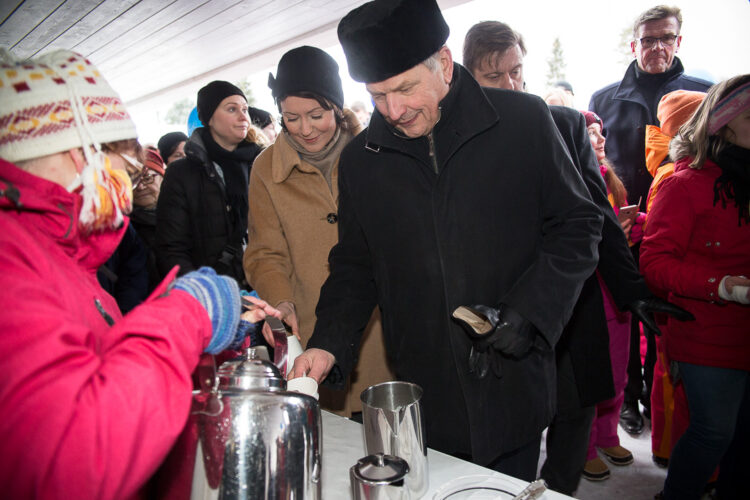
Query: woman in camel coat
(293, 205)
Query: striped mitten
(220, 296)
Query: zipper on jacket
(433, 156)
(104, 313)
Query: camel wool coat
(292, 226)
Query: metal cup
(379, 477)
(393, 424)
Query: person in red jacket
(700, 254)
(92, 401)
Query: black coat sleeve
(174, 239)
(616, 264)
(349, 295)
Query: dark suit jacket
(586, 338)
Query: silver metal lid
(250, 372)
(380, 469)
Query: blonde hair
(615, 185)
(692, 138)
(561, 94)
(256, 135)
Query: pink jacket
(89, 409)
(689, 246)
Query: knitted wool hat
(153, 160)
(729, 108)
(676, 108)
(307, 69)
(210, 96)
(259, 117)
(168, 143)
(592, 117)
(384, 38)
(54, 103)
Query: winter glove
(644, 310)
(220, 296)
(502, 329)
(636, 232)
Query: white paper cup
(305, 385)
(294, 349)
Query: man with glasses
(627, 107)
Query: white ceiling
(149, 47)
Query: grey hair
(655, 14)
(433, 62)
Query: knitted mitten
(220, 296)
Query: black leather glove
(502, 328)
(644, 310)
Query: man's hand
(288, 316)
(315, 363)
(644, 310)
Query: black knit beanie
(259, 117)
(307, 69)
(384, 38)
(168, 143)
(210, 96)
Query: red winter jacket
(89, 410)
(689, 246)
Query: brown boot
(618, 455)
(596, 470)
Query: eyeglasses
(648, 42)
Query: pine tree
(246, 88)
(623, 48)
(178, 113)
(556, 64)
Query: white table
(343, 445)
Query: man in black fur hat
(453, 197)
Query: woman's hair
(324, 103)
(692, 138)
(564, 97)
(256, 135)
(615, 185)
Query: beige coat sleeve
(267, 263)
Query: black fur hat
(307, 69)
(387, 37)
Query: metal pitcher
(256, 440)
(393, 424)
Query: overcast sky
(715, 45)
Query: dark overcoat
(586, 337)
(194, 223)
(498, 214)
(625, 111)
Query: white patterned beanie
(56, 102)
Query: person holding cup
(92, 400)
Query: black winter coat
(625, 112)
(586, 337)
(194, 225)
(506, 219)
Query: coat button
(332, 218)
(718, 243)
(229, 208)
(708, 243)
(712, 280)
